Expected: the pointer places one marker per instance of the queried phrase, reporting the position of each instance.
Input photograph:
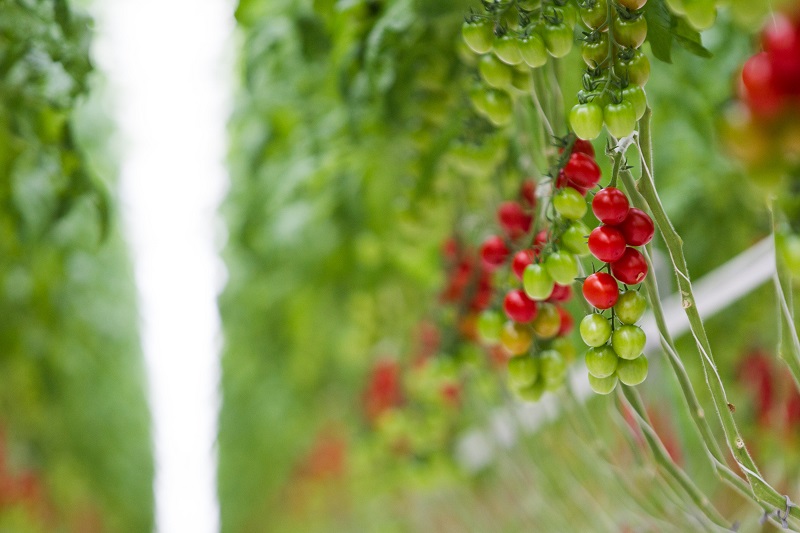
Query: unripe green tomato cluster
(529, 376)
(616, 354)
(619, 105)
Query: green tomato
(636, 96)
(552, 369)
(499, 107)
(586, 120)
(636, 69)
(595, 330)
(506, 49)
(522, 81)
(568, 13)
(575, 239)
(523, 370)
(603, 385)
(595, 53)
(494, 72)
(562, 266)
(490, 325)
(628, 341)
(594, 14)
(569, 203)
(601, 362)
(630, 33)
(620, 119)
(558, 39)
(479, 35)
(547, 321)
(532, 393)
(701, 14)
(634, 371)
(533, 50)
(566, 348)
(630, 307)
(536, 282)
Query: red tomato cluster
(468, 276)
(613, 242)
(384, 389)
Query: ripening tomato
(522, 259)
(595, 52)
(630, 32)
(594, 14)
(636, 68)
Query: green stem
(762, 491)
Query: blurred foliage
(75, 424)
(354, 154)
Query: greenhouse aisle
(166, 66)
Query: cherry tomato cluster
(616, 343)
(512, 38)
(542, 261)
(617, 70)
(762, 128)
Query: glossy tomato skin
(610, 206)
(631, 268)
(759, 87)
(633, 5)
(607, 243)
(594, 15)
(582, 170)
(561, 293)
(518, 307)
(601, 290)
(558, 39)
(494, 252)
(630, 32)
(586, 120)
(637, 228)
(620, 118)
(636, 69)
(595, 53)
(527, 194)
(478, 35)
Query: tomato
(523, 370)
(637, 228)
(561, 293)
(567, 322)
(518, 307)
(479, 35)
(513, 219)
(602, 361)
(610, 206)
(779, 35)
(636, 68)
(522, 81)
(532, 393)
(601, 290)
(569, 203)
(630, 32)
(557, 39)
(547, 323)
(532, 50)
(522, 259)
(582, 146)
(594, 14)
(586, 120)
(630, 307)
(552, 369)
(636, 96)
(633, 5)
(494, 72)
(582, 170)
(499, 107)
(628, 341)
(603, 385)
(562, 267)
(506, 49)
(595, 330)
(537, 282)
(565, 347)
(620, 119)
(516, 338)
(632, 371)
(494, 252)
(758, 88)
(574, 239)
(701, 14)
(595, 52)
(490, 324)
(607, 243)
(568, 13)
(631, 268)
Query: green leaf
(663, 27)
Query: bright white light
(169, 73)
